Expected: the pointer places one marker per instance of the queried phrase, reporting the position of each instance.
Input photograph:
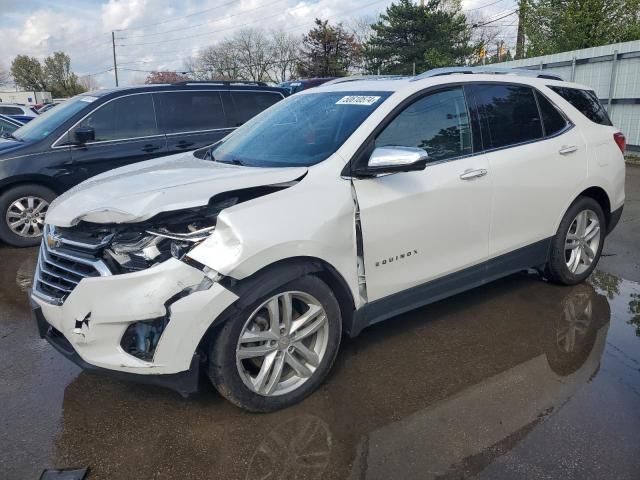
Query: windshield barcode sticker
(366, 100)
(87, 98)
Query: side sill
(449, 285)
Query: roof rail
(436, 72)
(355, 78)
(220, 82)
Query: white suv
(335, 209)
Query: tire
(41, 197)
(560, 268)
(238, 380)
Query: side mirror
(385, 160)
(82, 135)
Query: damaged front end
(132, 247)
(89, 252)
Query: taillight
(620, 140)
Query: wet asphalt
(517, 379)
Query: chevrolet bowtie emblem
(53, 241)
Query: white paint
(451, 223)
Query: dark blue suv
(105, 129)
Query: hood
(7, 145)
(140, 191)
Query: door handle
(470, 174)
(183, 144)
(150, 148)
(567, 149)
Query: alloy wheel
(25, 216)
(282, 343)
(582, 242)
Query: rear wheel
(577, 246)
(23, 211)
(279, 349)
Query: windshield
(41, 126)
(299, 131)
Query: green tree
(60, 80)
(54, 76)
(28, 74)
(328, 51)
(410, 37)
(553, 26)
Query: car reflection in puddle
(439, 392)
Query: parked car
(337, 208)
(93, 133)
(295, 86)
(8, 125)
(22, 113)
(47, 106)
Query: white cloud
(82, 29)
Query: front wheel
(577, 246)
(279, 349)
(23, 210)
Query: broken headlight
(140, 250)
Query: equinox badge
(396, 258)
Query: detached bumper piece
(65, 474)
(185, 383)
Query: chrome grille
(62, 264)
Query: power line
(200, 12)
(483, 6)
(194, 51)
(94, 74)
(262, 19)
(235, 15)
(189, 27)
(482, 24)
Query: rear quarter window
(586, 102)
(552, 120)
(509, 114)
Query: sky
(159, 34)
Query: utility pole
(520, 35)
(115, 64)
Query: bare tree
(250, 54)
(218, 62)
(253, 50)
(284, 55)
(483, 37)
(163, 76)
(88, 83)
(137, 79)
(4, 76)
(360, 28)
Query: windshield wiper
(233, 161)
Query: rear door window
(437, 123)
(131, 116)
(552, 120)
(586, 102)
(508, 114)
(181, 112)
(248, 104)
(11, 110)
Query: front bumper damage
(88, 327)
